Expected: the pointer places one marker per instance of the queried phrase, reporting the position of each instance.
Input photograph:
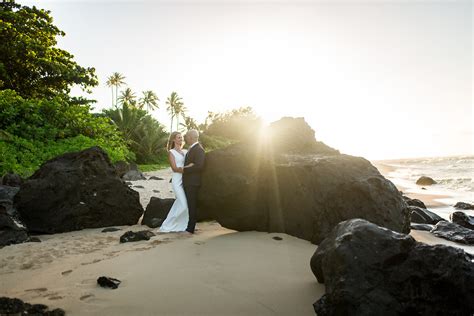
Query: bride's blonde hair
(171, 140)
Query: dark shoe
(190, 231)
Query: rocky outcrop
(156, 211)
(425, 227)
(425, 181)
(414, 202)
(121, 168)
(75, 191)
(291, 183)
(462, 219)
(15, 306)
(464, 206)
(12, 180)
(12, 230)
(370, 270)
(133, 174)
(454, 232)
(423, 216)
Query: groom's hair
(193, 133)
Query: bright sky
(379, 79)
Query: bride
(178, 216)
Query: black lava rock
(370, 270)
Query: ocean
(454, 177)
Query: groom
(192, 175)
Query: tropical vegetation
(40, 120)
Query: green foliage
(45, 120)
(24, 156)
(35, 130)
(30, 63)
(235, 125)
(144, 135)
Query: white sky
(379, 79)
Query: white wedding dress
(177, 219)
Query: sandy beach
(217, 271)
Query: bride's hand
(180, 170)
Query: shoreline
(431, 200)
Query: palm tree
(189, 123)
(173, 102)
(150, 99)
(180, 111)
(128, 96)
(116, 80)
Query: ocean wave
(462, 184)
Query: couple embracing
(187, 167)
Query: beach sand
(216, 271)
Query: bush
(24, 156)
(35, 130)
(238, 124)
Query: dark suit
(192, 181)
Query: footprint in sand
(66, 272)
(53, 298)
(86, 297)
(199, 242)
(26, 266)
(94, 261)
(40, 289)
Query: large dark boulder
(12, 230)
(462, 219)
(75, 191)
(454, 232)
(464, 206)
(275, 186)
(425, 181)
(156, 211)
(423, 216)
(370, 270)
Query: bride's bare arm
(173, 163)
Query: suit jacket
(192, 175)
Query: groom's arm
(199, 158)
